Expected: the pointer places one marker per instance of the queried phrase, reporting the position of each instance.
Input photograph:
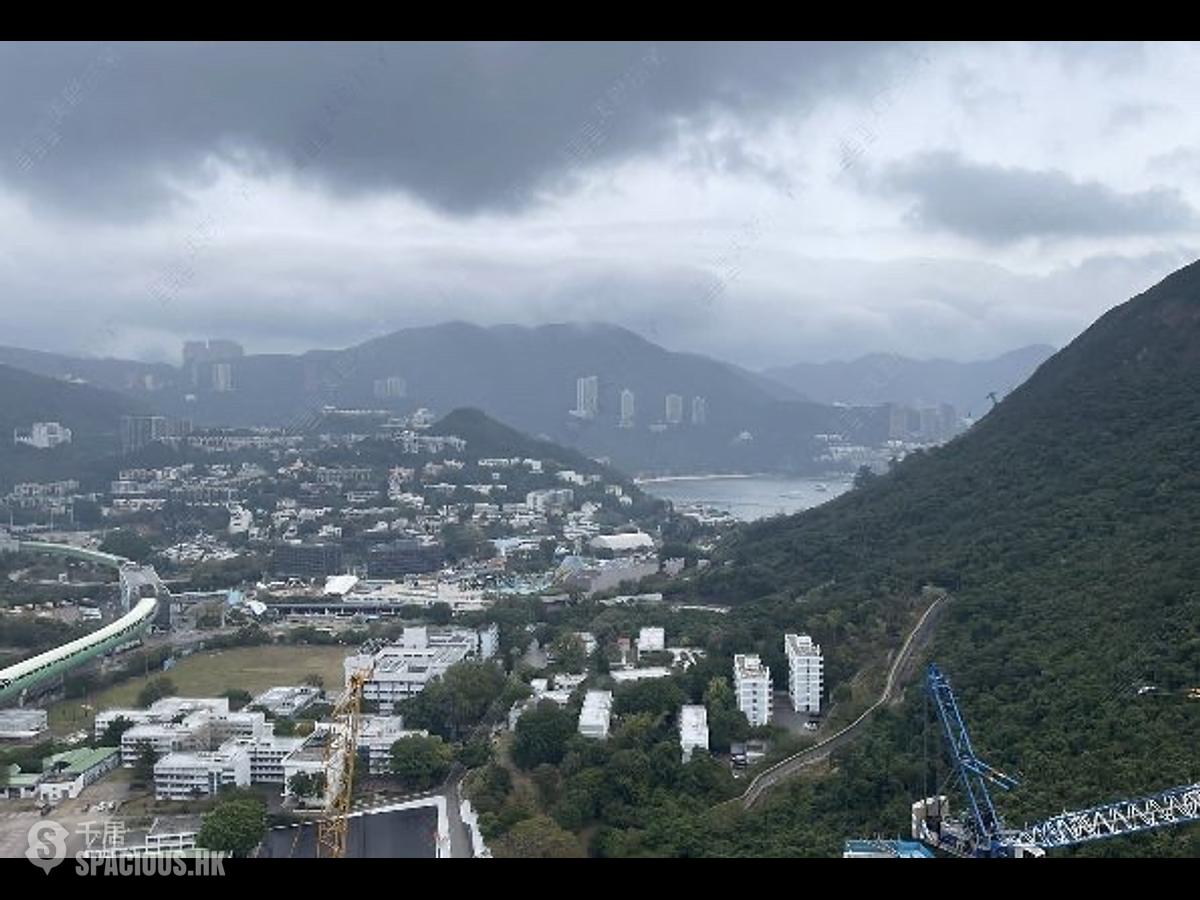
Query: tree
(114, 730)
(306, 784)
(546, 778)
(474, 754)
(569, 653)
(235, 825)
(600, 661)
(542, 734)
(421, 762)
(237, 698)
(314, 679)
(538, 838)
(864, 476)
(143, 767)
(458, 700)
(441, 613)
(658, 696)
(128, 543)
(155, 690)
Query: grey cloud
(1180, 161)
(997, 204)
(464, 126)
(1134, 115)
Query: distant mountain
(487, 437)
(527, 377)
(93, 415)
(124, 375)
(886, 378)
(1064, 526)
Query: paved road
(788, 767)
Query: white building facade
(693, 730)
(806, 672)
(752, 687)
(596, 714)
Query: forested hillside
(1064, 524)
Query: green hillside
(93, 415)
(1065, 526)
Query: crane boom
(985, 834)
(1176, 806)
(973, 772)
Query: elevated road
(140, 588)
(789, 766)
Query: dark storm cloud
(997, 204)
(464, 126)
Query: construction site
(969, 825)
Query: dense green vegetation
(92, 414)
(421, 762)
(236, 824)
(1064, 525)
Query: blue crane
(984, 833)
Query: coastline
(662, 479)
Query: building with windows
(693, 729)
(390, 388)
(628, 408)
(307, 560)
(286, 701)
(140, 431)
(42, 435)
(190, 776)
(587, 397)
(699, 411)
(805, 672)
(752, 688)
(404, 556)
(222, 377)
(651, 639)
(595, 716)
(376, 734)
(403, 669)
(674, 411)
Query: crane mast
(984, 834)
(341, 752)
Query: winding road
(789, 766)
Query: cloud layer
(761, 202)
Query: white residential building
(286, 701)
(752, 687)
(587, 397)
(376, 734)
(596, 714)
(267, 755)
(806, 672)
(651, 639)
(177, 724)
(43, 435)
(693, 729)
(623, 676)
(187, 776)
(402, 671)
(674, 409)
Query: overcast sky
(762, 203)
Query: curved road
(787, 767)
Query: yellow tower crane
(341, 751)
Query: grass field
(210, 673)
